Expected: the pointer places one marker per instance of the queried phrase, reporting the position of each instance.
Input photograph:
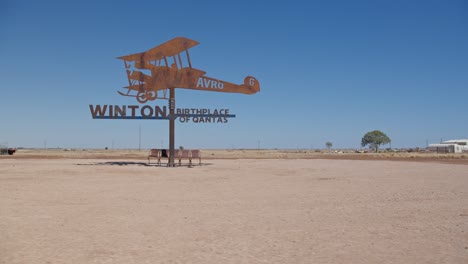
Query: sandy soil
(81, 210)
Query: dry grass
(239, 154)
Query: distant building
(450, 146)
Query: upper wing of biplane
(167, 49)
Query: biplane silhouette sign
(167, 70)
(153, 73)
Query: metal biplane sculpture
(152, 73)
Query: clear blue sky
(328, 70)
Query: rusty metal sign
(156, 74)
(153, 72)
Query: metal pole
(171, 127)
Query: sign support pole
(171, 127)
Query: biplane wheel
(151, 95)
(141, 97)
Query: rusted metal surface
(151, 73)
(167, 49)
(167, 67)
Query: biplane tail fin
(252, 84)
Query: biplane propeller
(151, 73)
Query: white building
(450, 146)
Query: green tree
(181, 147)
(374, 139)
(329, 145)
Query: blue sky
(328, 70)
